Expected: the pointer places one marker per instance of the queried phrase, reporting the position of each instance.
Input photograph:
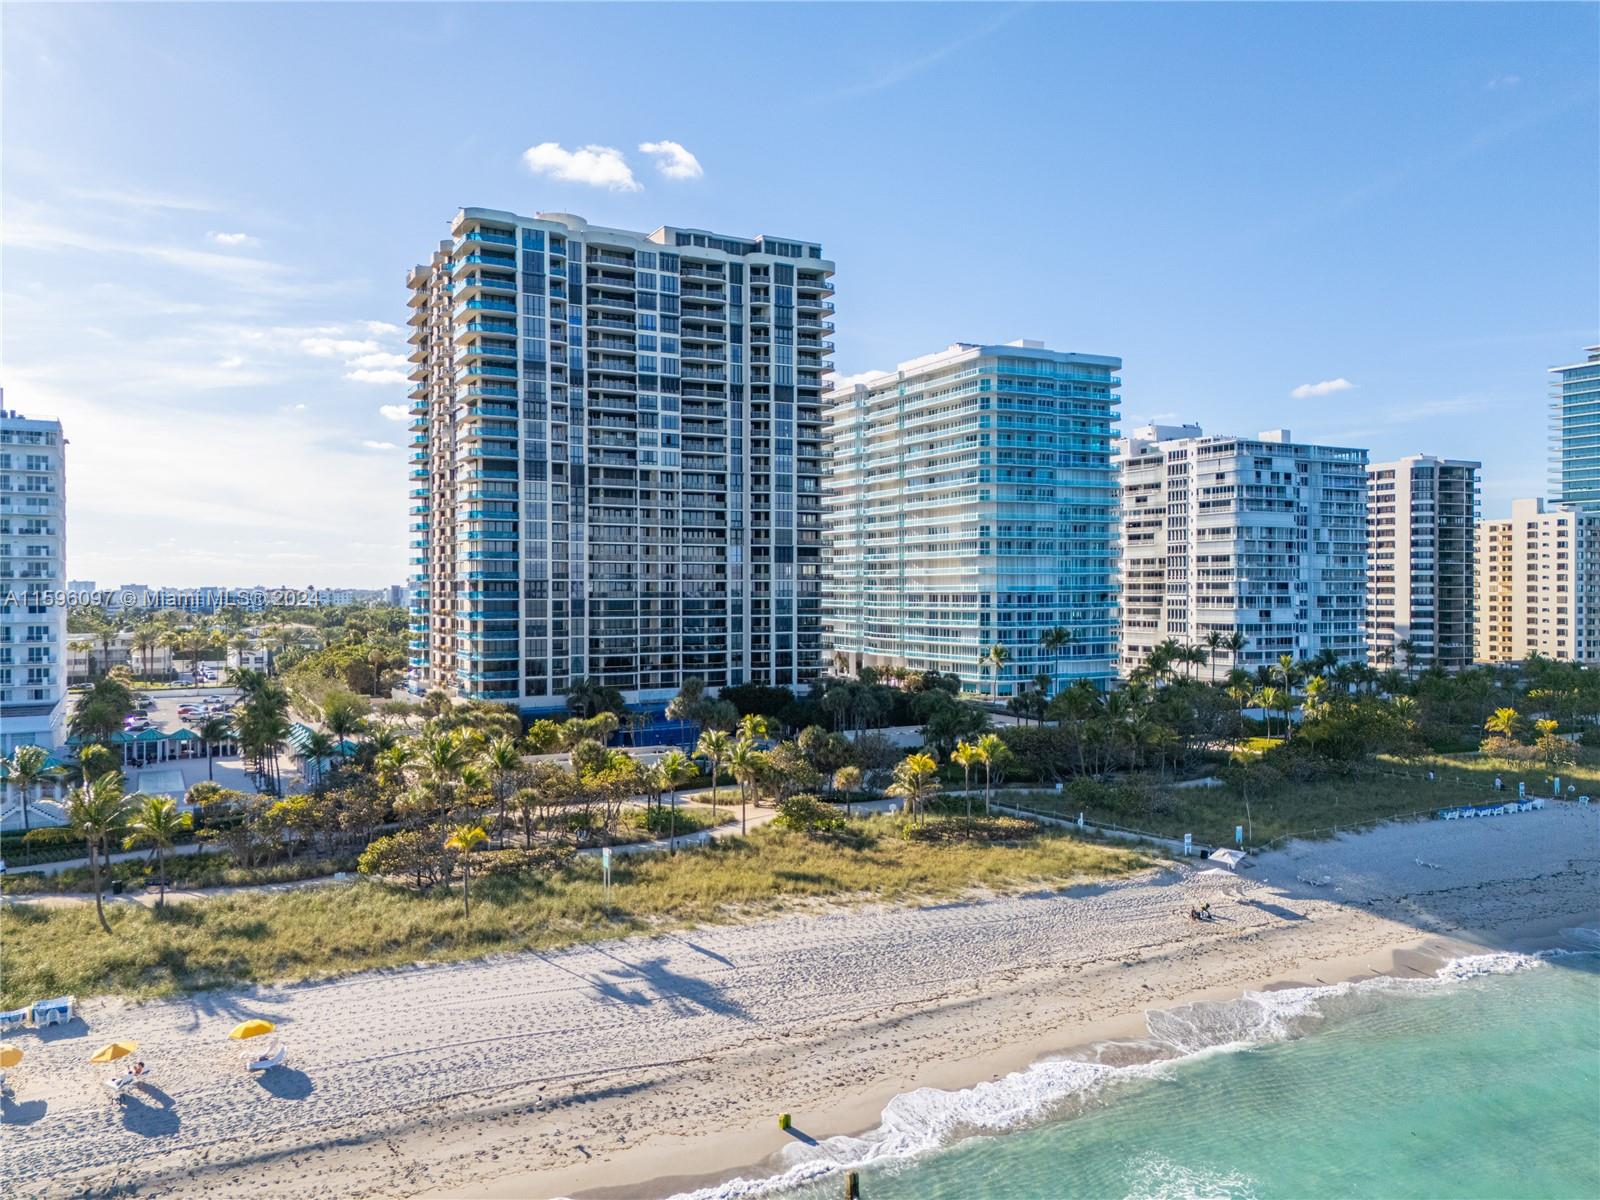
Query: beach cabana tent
(1228, 858)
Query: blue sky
(209, 212)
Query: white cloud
(1504, 81)
(329, 347)
(241, 271)
(672, 160)
(381, 358)
(132, 198)
(376, 375)
(1326, 387)
(232, 362)
(380, 445)
(597, 166)
(233, 239)
(394, 412)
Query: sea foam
(918, 1122)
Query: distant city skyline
(1327, 217)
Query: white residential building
(1422, 517)
(1260, 536)
(617, 461)
(1537, 585)
(970, 501)
(88, 657)
(33, 553)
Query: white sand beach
(645, 1066)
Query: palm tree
(212, 731)
(97, 811)
(1055, 641)
(1234, 644)
(1215, 641)
(995, 660)
(675, 770)
(991, 752)
(145, 639)
(1412, 652)
(464, 839)
(379, 662)
(752, 728)
(156, 822)
(966, 756)
(318, 749)
(916, 780)
(343, 722)
(745, 761)
(714, 744)
(440, 762)
(1316, 694)
(841, 663)
(1269, 698)
(24, 771)
(1507, 722)
(501, 760)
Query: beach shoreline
(652, 1066)
(678, 1165)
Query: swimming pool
(162, 781)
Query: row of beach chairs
(40, 1014)
(1490, 810)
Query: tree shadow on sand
(684, 994)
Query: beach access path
(637, 1064)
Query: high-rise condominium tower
(1575, 433)
(1536, 585)
(33, 556)
(1421, 519)
(1261, 537)
(617, 466)
(970, 503)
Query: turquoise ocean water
(1482, 1082)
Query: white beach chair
(15, 1019)
(54, 1012)
(118, 1085)
(264, 1058)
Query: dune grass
(341, 928)
(1376, 791)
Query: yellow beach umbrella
(112, 1051)
(251, 1029)
(10, 1055)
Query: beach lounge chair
(59, 1011)
(118, 1085)
(15, 1019)
(264, 1058)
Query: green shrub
(805, 813)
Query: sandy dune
(637, 1065)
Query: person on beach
(138, 1069)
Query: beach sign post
(605, 870)
(1238, 835)
(1188, 844)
